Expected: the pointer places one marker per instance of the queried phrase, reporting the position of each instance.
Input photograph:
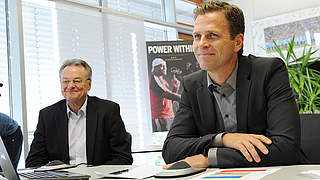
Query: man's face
(212, 44)
(160, 69)
(75, 84)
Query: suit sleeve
(38, 155)
(120, 139)
(184, 139)
(283, 125)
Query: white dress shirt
(77, 135)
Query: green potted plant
(304, 80)
(306, 86)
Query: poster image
(304, 24)
(168, 62)
(306, 32)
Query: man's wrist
(217, 140)
(212, 157)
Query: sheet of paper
(56, 167)
(243, 173)
(140, 172)
(310, 174)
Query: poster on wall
(168, 62)
(306, 32)
(304, 24)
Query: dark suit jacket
(106, 137)
(265, 105)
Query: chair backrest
(310, 137)
(130, 138)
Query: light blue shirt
(77, 135)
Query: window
(154, 32)
(4, 91)
(92, 2)
(184, 12)
(53, 33)
(126, 72)
(80, 35)
(145, 8)
(41, 62)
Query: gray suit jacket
(107, 140)
(265, 105)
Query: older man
(80, 128)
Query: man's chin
(204, 67)
(71, 98)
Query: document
(56, 167)
(310, 174)
(140, 172)
(241, 173)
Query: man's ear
(238, 42)
(89, 85)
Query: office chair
(310, 137)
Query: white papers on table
(241, 173)
(311, 174)
(140, 172)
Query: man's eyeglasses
(74, 81)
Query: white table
(285, 172)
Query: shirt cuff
(212, 157)
(217, 141)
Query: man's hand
(175, 83)
(196, 161)
(246, 144)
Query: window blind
(4, 91)
(93, 2)
(80, 36)
(184, 12)
(145, 8)
(41, 65)
(52, 34)
(127, 74)
(152, 33)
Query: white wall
(259, 9)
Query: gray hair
(77, 62)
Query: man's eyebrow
(204, 32)
(71, 78)
(195, 32)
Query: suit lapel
(62, 126)
(205, 103)
(91, 125)
(243, 92)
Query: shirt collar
(82, 110)
(232, 80)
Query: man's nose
(71, 85)
(203, 42)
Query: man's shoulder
(58, 105)
(101, 102)
(194, 80)
(259, 65)
(196, 76)
(262, 61)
